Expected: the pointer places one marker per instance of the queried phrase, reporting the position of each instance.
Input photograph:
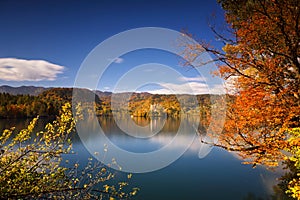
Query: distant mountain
(65, 93)
(31, 90)
(102, 94)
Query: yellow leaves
(32, 125)
(134, 191)
(6, 135)
(295, 142)
(106, 188)
(22, 161)
(27, 167)
(122, 184)
(230, 49)
(294, 148)
(294, 188)
(103, 170)
(251, 71)
(50, 128)
(25, 134)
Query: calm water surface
(218, 175)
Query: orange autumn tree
(261, 60)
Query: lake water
(200, 173)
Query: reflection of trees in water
(169, 125)
(20, 124)
(108, 124)
(17, 123)
(141, 121)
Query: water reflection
(20, 124)
(189, 176)
(164, 132)
(169, 128)
(131, 143)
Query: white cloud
(218, 89)
(13, 69)
(188, 88)
(192, 79)
(116, 60)
(106, 88)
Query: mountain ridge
(25, 90)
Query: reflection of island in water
(139, 134)
(166, 124)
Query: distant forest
(49, 102)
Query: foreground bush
(31, 165)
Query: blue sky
(44, 43)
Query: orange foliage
(262, 59)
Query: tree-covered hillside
(49, 102)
